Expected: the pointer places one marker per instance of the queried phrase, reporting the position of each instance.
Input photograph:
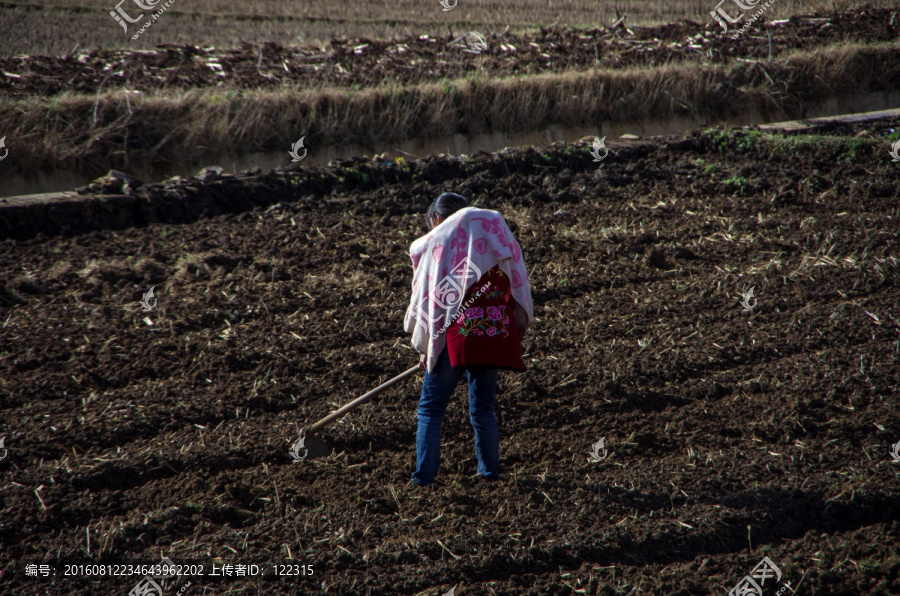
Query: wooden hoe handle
(361, 400)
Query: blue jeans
(437, 388)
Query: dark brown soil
(731, 435)
(365, 62)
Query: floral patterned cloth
(485, 334)
(447, 263)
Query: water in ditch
(59, 181)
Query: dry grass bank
(54, 27)
(91, 134)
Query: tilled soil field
(417, 59)
(731, 433)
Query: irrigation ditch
(58, 144)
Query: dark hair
(444, 206)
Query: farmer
(470, 304)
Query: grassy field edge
(115, 129)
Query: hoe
(316, 446)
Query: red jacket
(485, 331)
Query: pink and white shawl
(448, 261)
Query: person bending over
(470, 305)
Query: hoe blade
(317, 447)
